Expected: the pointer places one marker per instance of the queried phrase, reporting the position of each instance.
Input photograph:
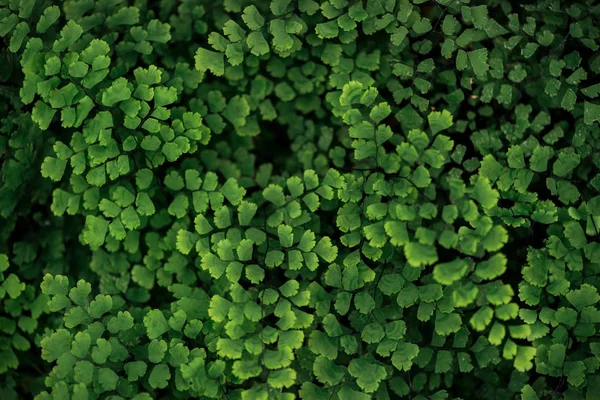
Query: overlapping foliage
(284, 199)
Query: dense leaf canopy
(281, 199)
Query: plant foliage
(341, 199)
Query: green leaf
(117, 92)
(327, 30)
(100, 305)
(447, 323)
(81, 344)
(443, 362)
(418, 254)
(566, 163)
(101, 351)
(523, 358)
(275, 359)
(84, 372)
(95, 230)
(422, 26)
(540, 157)
(364, 302)
(450, 272)
(283, 378)
(53, 168)
(282, 41)
(69, 34)
(368, 375)
(527, 393)
(403, 357)
(372, 333)
(4, 266)
(482, 318)
(157, 350)
(479, 61)
(575, 234)
(48, 18)
(210, 60)
(122, 322)
(484, 193)
(591, 112)
(320, 343)
(246, 211)
(575, 372)
(439, 121)
(236, 111)
(42, 114)
(278, 7)
(274, 194)
(492, 268)
(78, 69)
(13, 286)
(515, 157)
(556, 355)
(252, 17)
(257, 43)
(135, 370)
(155, 323)
(55, 345)
(159, 377)
(233, 192)
(158, 31)
(327, 372)
(587, 295)
(164, 96)
(326, 250)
